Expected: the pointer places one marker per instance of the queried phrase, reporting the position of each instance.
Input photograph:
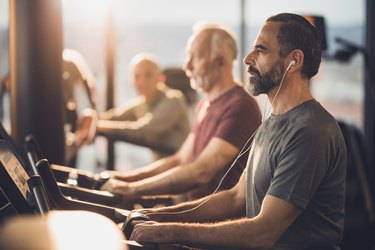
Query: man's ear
(298, 57)
(218, 62)
(162, 77)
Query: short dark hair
(296, 32)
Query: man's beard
(197, 86)
(203, 83)
(259, 84)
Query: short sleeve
(300, 167)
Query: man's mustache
(253, 71)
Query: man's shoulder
(316, 114)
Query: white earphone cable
(241, 153)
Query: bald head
(219, 41)
(145, 74)
(211, 53)
(146, 59)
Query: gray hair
(222, 41)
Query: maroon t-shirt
(233, 117)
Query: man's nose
(188, 67)
(249, 59)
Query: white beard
(198, 87)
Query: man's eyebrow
(260, 46)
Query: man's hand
(149, 232)
(118, 187)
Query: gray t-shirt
(300, 157)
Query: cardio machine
(29, 158)
(21, 194)
(85, 185)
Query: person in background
(292, 193)
(225, 118)
(79, 94)
(158, 118)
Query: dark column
(110, 69)
(35, 71)
(370, 89)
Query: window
(339, 87)
(164, 28)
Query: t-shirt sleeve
(300, 168)
(239, 122)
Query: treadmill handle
(59, 201)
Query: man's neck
(290, 95)
(220, 87)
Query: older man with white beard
(224, 120)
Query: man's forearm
(237, 234)
(206, 209)
(153, 169)
(174, 181)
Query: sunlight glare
(83, 230)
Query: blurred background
(116, 30)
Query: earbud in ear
(290, 65)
